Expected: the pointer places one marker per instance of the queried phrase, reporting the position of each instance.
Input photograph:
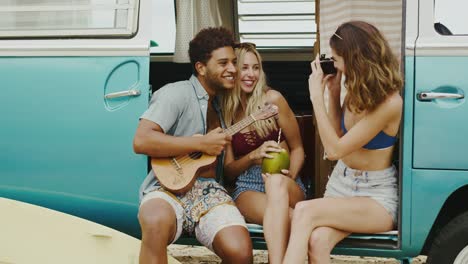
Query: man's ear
(201, 68)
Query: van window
(163, 26)
(267, 23)
(450, 17)
(277, 23)
(68, 18)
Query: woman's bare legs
(282, 194)
(252, 205)
(272, 210)
(354, 214)
(321, 243)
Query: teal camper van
(76, 75)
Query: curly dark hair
(206, 41)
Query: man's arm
(152, 141)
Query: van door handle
(122, 94)
(428, 96)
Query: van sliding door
(440, 88)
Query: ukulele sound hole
(195, 155)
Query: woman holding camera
(262, 201)
(361, 194)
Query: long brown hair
(371, 69)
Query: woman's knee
(319, 243)
(306, 212)
(276, 186)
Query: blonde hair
(232, 108)
(372, 71)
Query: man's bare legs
(158, 227)
(233, 245)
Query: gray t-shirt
(180, 110)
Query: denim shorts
(381, 185)
(251, 180)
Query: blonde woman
(262, 201)
(362, 192)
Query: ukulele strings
(184, 159)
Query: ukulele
(177, 174)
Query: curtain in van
(386, 15)
(192, 16)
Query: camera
(327, 65)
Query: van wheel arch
(451, 242)
(454, 206)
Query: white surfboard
(34, 234)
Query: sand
(199, 255)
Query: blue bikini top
(381, 141)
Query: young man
(176, 112)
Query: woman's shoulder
(392, 105)
(394, 101)
(274, 96)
